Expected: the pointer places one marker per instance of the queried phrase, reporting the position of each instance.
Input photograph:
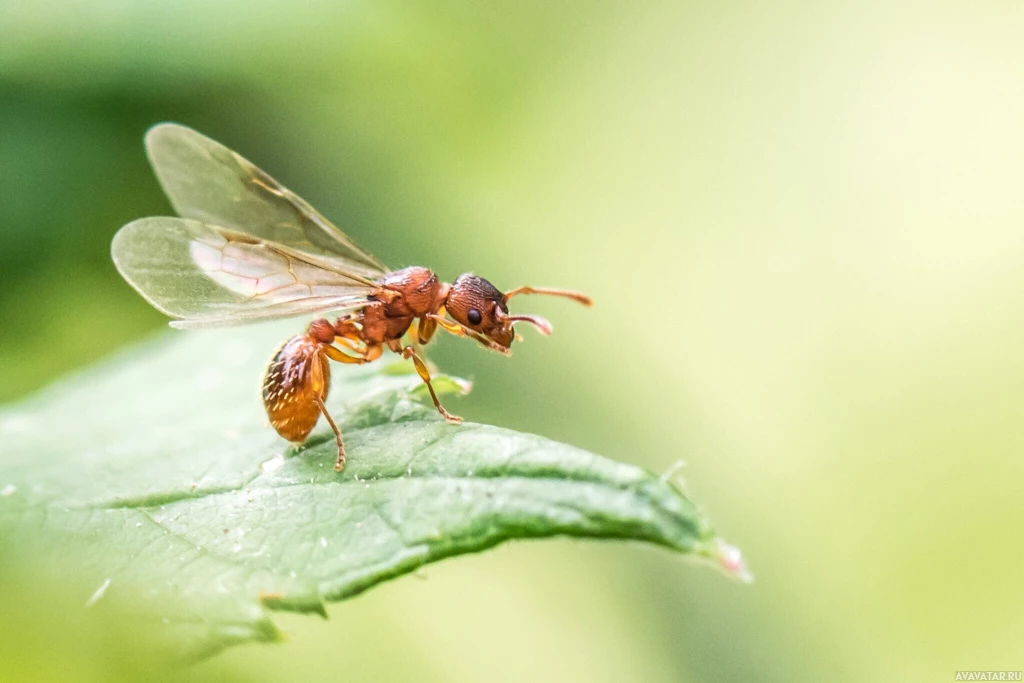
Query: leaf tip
(731, 560)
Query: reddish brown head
(480, 306)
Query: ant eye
(474, 316)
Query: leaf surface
(154, 478)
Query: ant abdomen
(294, 386)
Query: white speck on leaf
(98, 594)
(323, 542)
(273, 464)
(8, 490)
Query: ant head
(477, 304)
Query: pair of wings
(246, 249)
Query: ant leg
(425, 329)
(336, 354)
(457, 329)
(369, 354)
(366, 355)
(424, 373)
(350, 344)
(338, 466)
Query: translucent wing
(207, 181)
(209, 276)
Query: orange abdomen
(297, 375)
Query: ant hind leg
(338, 466)
(334, 353)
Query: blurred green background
(803, 226)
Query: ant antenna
(540, 323)
(565, 293)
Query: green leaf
(155, 479)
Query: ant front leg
(424, 373)
(457, 329)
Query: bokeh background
(803, 226)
